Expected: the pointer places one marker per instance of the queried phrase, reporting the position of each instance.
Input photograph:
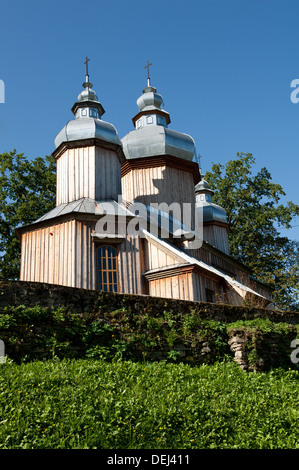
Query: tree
(27, 191)
(255, 217)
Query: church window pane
(149, 119)
(107, 268)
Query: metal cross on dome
(87, 83)
(86, 63)
(147, 67)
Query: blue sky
(224, 68)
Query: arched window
(107, 268)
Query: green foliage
(6, 321)
(32, 333)
(27, 191)
(93, 404)
(261, 324)
(266, 340)
(255, 217)
(34, 314)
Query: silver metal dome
(154, 140)
(87, 123)
(203, 201)
(149, 99)
(87, 128)
(87, 94)
(151, 136)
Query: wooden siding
(130, 262)
(64, 254)
(201, 283)
(156, 185)
(175, 287)
(216, 236)
(48, 255)
(223, 263)
(90, 172)
(156, 257)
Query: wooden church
(107, 231)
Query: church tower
(88, 153)
(161, 164)
(61, 247)
(213, 218)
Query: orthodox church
(133, 215)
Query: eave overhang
(161, 160)
(94, 142)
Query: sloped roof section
(86, 206)
(185, 257)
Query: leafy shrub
(73, 404)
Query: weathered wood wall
(214, 258)
(48, 254)
(91, 172)
(65, 254)
(201, 283)
(216, 236)
(174, 287)
(156, 185)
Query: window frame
(107, 270)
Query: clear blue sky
(224, 68)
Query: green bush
(261, 324)
(76, 404)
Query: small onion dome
(150, 99)
(211, 212)
(87, 123)
(151, 136)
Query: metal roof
(86, 206)
(151, 136)
(87, 123)
(158, 140)
(210, 211)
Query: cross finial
(148, 77)
(86, 63)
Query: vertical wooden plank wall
(49, 254)
(216, 236)
(90, 172)
(130, 265)
(73, 184)
(174, 287)
(162, 184)
(85, 257)
(107, 175)
(185, 286)
(201, 283)
(65, 254)
(156, 258)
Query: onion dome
(211, 212)
(151, 136)
(87, 123)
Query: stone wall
(254, 349)
(136, 326)
(82, 300)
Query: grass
(76, 404)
